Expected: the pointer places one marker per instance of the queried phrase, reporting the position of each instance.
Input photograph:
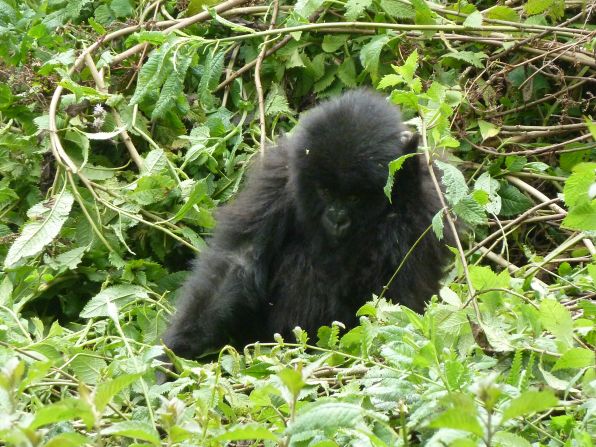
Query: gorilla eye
(324, 192)
(353, 199)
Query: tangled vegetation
(123, 124)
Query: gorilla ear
(409, 142)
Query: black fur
(273, 265)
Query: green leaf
(389, 80)
(556, 319)
(469, 57)
(151, 75)
(395, 166)
(276, 102)
(528, 403)
(578, 184)
(328, 417)
(474, 20)
(470, 211)
(106, 391)
(117, 296)
(397, 9)
(453, 180)
(370, 54)
(354, 8)
(424, 15)
(347, 72)
(306, 7)
(69, 409)
(247, 431)
(49, 218)
(582, 217)
(575, 358)
(173, 86)
(68, 440)
(533, 7)
(333, 42)
(87, 367)
(438, 225)
(457, 419)
(488, 130)
(121, 8)
(134, 429)
(513, 201)
(500, 12)
(505, 439)
(491, 186)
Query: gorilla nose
(337, 221)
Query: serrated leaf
(529, 402)
(500, 12)
(423, 13)
(438, 225)
(470, 211)
(134, 429)
(151, 74)
(69, 409)
(68, 440)
(328, 417)
(453, 180)
(173, 86)
(474, 20)
(513, 201)
(579, 182)
(347, 72)
(118, 296)
(370, 54)
(276, 102)
(491, 186)
(246, 432)
(575, 358)
(354, 8)
(533, 7)
(397, 9)
(582, 217)
(556, 319)
(333, 42)
(106, 391)
(488, 130)
(473, 58)
(505, 439)
(306, 7)
(87, 367)
(389, 80)
(395, 166)
(457, 419)
(155, 162)
(36, 235)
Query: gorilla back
(312, 236)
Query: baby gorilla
(312, 236)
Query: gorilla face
(337, 171)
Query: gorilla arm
(223, 298)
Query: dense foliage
(124, 124)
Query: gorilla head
(311, 236)
(337, 170)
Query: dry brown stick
(258, 85)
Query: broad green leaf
(306, 7)
(469, 57)
(474, 20)
(487, 130)
(491, 186)
(69, 409)
(578, 184)
(106, 391)
(453, 180)
(424, 15)
(370, 54)
(438, 225)
(500, 12)
(529, 402)
(49, 218)
(151, 74)
(513, 201)
(87, 367)
(354, 8)
(327, 416)
(395, 166)
(118, 295)
(470, 211)
(575, 358)
(556, 319)
(247, 431)
(333, 42)
(134, 429)
(68, 440)
(397, 9)
(537, 6)
(505, 439)
(582, 217)
(457, 419)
